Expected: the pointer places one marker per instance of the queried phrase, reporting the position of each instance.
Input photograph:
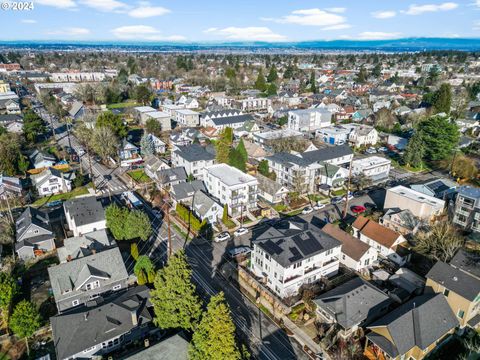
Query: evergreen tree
(242, 151)
(260, 83)
(313, 83)
(174, 300)
(442, 99)
(440, 136)
(146, 145)
(362, 76)
(272, 75)
(263, 167)
(214, 338)
(8, 290)
(272, 89)
(223, 145)
(225, 214)
(377, 71)
(25, 321)
(236, 160)
(415, 151)
(144, 270)
(152, 126)
(134, 250)
(288, 74)
(112, 121)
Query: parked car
(240, 231)
(337, 199)
(81, 152)
(383, 149)
(349, 196)
(370, 206)
(371, 150)
(307, 210)
(223, 236)
(359, 193)
(239, 250)
(319, 207)
(358, 209)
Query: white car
(371, 150)
(81, 152)
(223, 236)
(307, 210)
(319, 207)
(350, 197)
(240, 231)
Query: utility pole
(90, 166)
(348, 189)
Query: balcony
(331, 261)
(291, 278)
(373, 354)
(462, 211)
(309, 270)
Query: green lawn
(123, 105)
(229, 224)
(139, 176)
(65, 196)
(340, 192)
(280, 207)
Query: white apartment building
(363, 135)
(289, 254)
(253, 104)
(84, 215)
(78, 76)
(421, 205)
(231, 187)
(194, 158)
(187, 117)
(309, 120)
(376, 168)
(171, 109)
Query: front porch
(375, 352)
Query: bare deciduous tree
(440, 243)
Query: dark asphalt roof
(419, 322)
(195, 152)
(32, 216)
(84, 210)
(232, 119)
(311, 157)
(467, 261)
(455, 280)
(353, 302)
(288, 242)
(82, 328)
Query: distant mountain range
(397, 45)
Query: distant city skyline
(221, 21)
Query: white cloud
(146, 11)
(384, 14)
(337, 27)
(62, 4)
(71, 31)
(338, 10)
(476, 25)
(420, 9)
(376, 35)
(106, 5)
(28, 21)
(329, 20)
(143, 32)
(253, 33)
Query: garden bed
(139, 176)
(83, 190)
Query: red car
(357, 209)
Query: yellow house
(411, 331)
(4, 87)
(461, 289)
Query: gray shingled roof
(32, 216)
(232, 119)
(455, 280)
(84, 327)
(421, 321)
(353, 302)
(67, 277)
(203, 203)
(84, 210)
(288, 242)
(166, 176)
(195, 152)
(314, 156)
(173, 348)
(467, 261)
(84, 245)
(185, 190)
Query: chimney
(134, 317)
(69, 258)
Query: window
(93, 285)
(267, 256)
(297, 265)
(117, 287)
(367, 262)
(75, 302)
(446, 292)
(460, 314)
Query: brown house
(412, 330)
(460, 287)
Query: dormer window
(93, 285)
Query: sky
(244, 20)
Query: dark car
(337, 200)
(370, 206)
(359, 193)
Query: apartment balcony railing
(309, 270)
(462, 212)
(291, 278)
(331, 261)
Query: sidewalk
(302, 338)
